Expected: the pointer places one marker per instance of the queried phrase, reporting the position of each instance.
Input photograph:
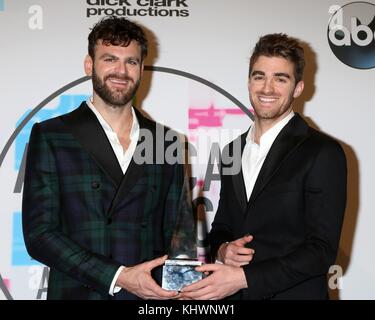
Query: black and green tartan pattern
(70, 221)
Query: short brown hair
(118, 32)
(280, 45)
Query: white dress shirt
(123, 156)
(253, 155)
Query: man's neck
(263, 125)
(119, 118)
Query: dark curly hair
(280, 45)
(118, 32)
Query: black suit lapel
(238, 181)
(289, 138)
(86, 128)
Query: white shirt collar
(270, 135)
(135, 125)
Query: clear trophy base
(178, 273)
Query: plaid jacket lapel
(134, 171)
(86, 128)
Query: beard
(114, 97)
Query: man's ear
(298, 89)
(88, 64)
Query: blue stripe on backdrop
(20, 257)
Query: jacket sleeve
(41, 213)
(325, 201)
(221, 228)
(221, 231)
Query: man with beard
(278, 224)
(92, 212)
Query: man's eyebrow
(282, 74)
(107, 55)
(134, 58)
(257, 72)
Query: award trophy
(178, 273)
(179, 270)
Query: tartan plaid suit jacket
(82, 217)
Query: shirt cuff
(217, 253)
(114, 289)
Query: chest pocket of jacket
(279, 188)
(314, 197)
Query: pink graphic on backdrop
(7, 283)
(200, 183)
(210, 117)
(206, 117)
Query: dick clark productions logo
(351, 34)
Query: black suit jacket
(295, 214)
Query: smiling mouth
(118, 81)
(264, 99)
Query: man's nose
(121, 68)
(268, 86)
